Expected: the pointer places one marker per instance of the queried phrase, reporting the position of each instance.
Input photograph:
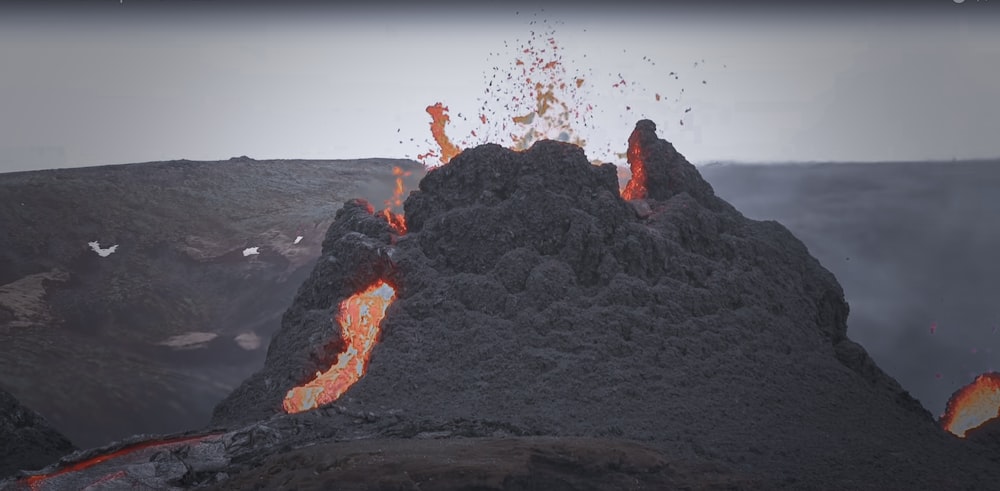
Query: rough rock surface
(525, 463)
(26, 439)
(533, 300)
(86, 340)
(332, 448)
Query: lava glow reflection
(973, 405)
(359, 318)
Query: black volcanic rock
(484, 464)
(987, 435)
(26, 439)
(668, 173)
(151, 337)
(533, 300)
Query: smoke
(913, 245)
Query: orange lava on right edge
(973, 405)
(636, 187)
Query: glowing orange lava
(397, 194)
(359, 318)
(636, 187)
(440, 118)
(36, 482)
(973, 405)
(396, 221)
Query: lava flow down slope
(531, 299)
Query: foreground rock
(26, 439)
(327, 449)
(483, 464)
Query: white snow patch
(250, 251)
(96, 247)
(189, 340)
(297, 240)
(248, 341)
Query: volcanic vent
(532, 299)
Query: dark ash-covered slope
(149, 338)
(533, 300)
(26, 439)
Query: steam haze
(110, 82)
(138, 81)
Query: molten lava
(359, 318)
(636, 187)
(973, 405)
(396, 221)
(440, 118)
(36, 482)
(397, 194)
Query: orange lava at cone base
(973, 405)
(636, 187)
(35, 482)
(359, 318)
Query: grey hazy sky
(119, 84)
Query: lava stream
(36, 482)
(359, 318)
(636, 187)
(973, 405)
(396, 220)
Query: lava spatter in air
(534, 98)
(973, 405)
(533, 95)
(359, 318)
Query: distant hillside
(914, 245)
(149, 337)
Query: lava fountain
(537, 97)
(636, 187)
(359, 318)
(973, 405)
(396, 220)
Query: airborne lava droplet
(636, 187)
(973, 405)
(359, 317)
